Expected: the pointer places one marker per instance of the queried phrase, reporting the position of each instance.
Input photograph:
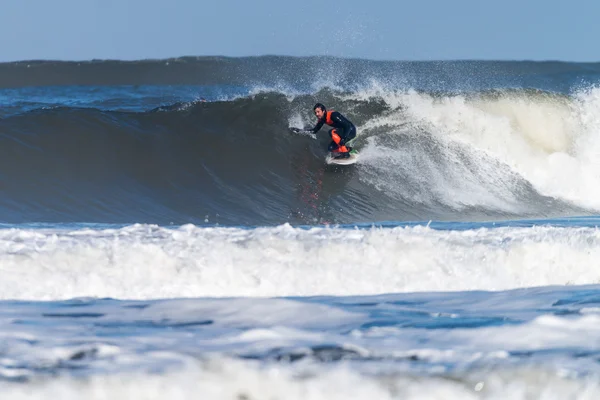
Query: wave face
(459, 141)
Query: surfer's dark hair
(321, 106)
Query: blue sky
(392, 30)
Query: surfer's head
(319, 110)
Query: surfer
(342, 132)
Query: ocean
(164, 235)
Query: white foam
(542, 333)
(141, 261)
(227, 379)
(549, 140)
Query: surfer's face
(319, 113)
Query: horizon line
(215, 56)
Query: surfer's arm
(314, 130)
(317, 127)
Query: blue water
(396, 343)
(457, 259)
(130, 98)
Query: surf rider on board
(342, 132)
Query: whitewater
(163, 234)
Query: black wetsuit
(341, 125)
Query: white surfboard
(342, 161)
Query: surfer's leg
(335, 146)
(351, 135)
(348, 136)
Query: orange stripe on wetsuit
(334, 135)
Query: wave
(485, 155)
(137, 262)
